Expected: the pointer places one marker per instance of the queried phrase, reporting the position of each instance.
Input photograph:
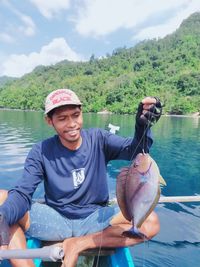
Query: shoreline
(195, 115)
(105, 113)
(192, 115)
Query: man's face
(68, 121)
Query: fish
(138, 191)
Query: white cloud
(170, 25)
(27, 26)
(51, 7)
(55, 51)
(6, 38)
(102, 17)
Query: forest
(168, 68)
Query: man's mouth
(72, 132)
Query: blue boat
(119, 257)
(31, 243)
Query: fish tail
(134, 233)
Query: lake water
(176, 150)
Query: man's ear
(48, 120)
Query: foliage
(168, 68)
(5, 79)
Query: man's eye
(76, 115)
(61, 118)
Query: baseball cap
(61, 97)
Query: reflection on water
(176, 149)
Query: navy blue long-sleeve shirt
(75, 181)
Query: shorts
(49, 225)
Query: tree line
(168, 68)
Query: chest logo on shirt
(78, 177)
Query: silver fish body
(138, 189)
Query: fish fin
(162, 180)
(134, 233)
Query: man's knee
(151, 226)
(25, 221)
(3, 196)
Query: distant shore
(106, 112)
(193, 115)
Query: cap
(61, 97)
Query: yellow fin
(162, 180)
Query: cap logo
(60, 99)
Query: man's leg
(110, 237)
(17, 240)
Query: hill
(5, 79)
(168, 68)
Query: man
(72, 165)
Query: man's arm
(148, 113)
(15, 206)
(116, 147)
(19, 198)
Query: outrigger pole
(171, 199)
(53, 253)
(179, 199)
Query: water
(176, 150)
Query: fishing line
(101, 239)
(142, 139)
(147, 127)
(145, 241)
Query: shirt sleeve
(19, 198)
(144, 139)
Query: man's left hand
(149, 111)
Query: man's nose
(71, 122)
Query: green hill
(168, 68)
(5, 79)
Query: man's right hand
(4, 231)
(149, 111)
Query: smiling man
(65, 117)
(73, 166)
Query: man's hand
(149, 111)
(4, 232)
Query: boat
(32, 243)
(102, 257)
(120, 258)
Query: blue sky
(44, 32)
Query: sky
(44, 32)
